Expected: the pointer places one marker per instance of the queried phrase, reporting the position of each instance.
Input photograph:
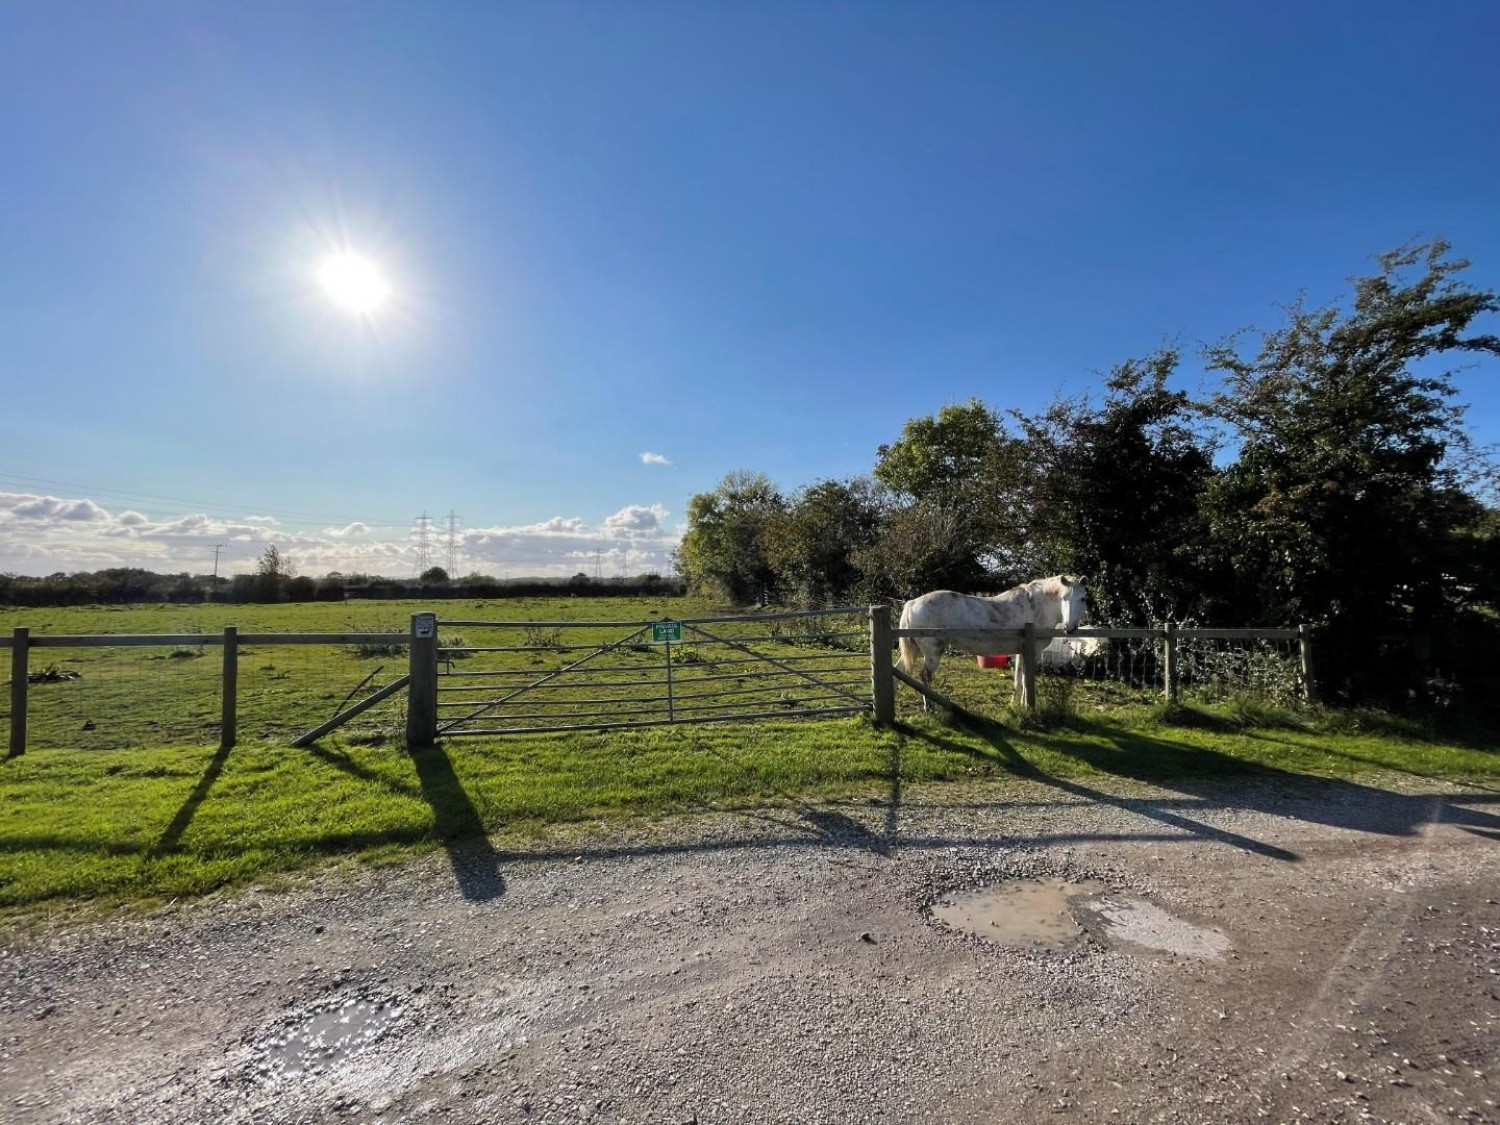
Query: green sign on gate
(665, 631)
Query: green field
(107, 698)
(173, 816)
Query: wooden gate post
(421, 698)
(1305, 657)
(1169, 664)
(19, 653)
(1026, 669)
(882, 682)
(228, 727)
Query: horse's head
(1073, 600)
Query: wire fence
(104, 692)
(1210, 669)
(1100, 672)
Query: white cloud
(267, 520)
(42, 534)
(557, 526)
(654, 459)
(195, 525)
(635, 520)
(52, 508)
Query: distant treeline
(134, 586)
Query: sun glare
(354, 283)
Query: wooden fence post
(421, 698)
(882, 683)
(1305, 656)
(1026, 671)
(228, 707)
(20, 650)
(1169, 664)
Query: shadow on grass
(455, 820)
(172, 837)
(998, 738)
(343, 762)
(1200, 782)
(1262, 736)
(457, 823)
(1215, 779)
(825, 823)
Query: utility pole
(217, 548)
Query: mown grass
(106, 826)
(174, 821)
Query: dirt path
(1338, 959)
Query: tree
(1351, 486)
(724, 550)
(434, 576)
(812, 542)
(920, 546)
(272, 571)
(1117, 491)
(963, 481)
(942, 457)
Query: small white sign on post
(426, 626)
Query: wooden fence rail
(21, 642)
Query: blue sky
(738, 235)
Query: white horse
(1046, 603)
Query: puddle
(324, 1035)
(1142, 923)
(1022, 912)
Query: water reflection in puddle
(1143, 923)
(1030, 912)
(325, 1036)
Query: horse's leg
(930, 659)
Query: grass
(138, 825)
(173, 821)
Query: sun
(354, 283)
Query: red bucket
(1001, 660)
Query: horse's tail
(911, 655)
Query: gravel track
(783, 966)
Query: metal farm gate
(513, 677)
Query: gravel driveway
(1339, 961)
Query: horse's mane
(1055, 586)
